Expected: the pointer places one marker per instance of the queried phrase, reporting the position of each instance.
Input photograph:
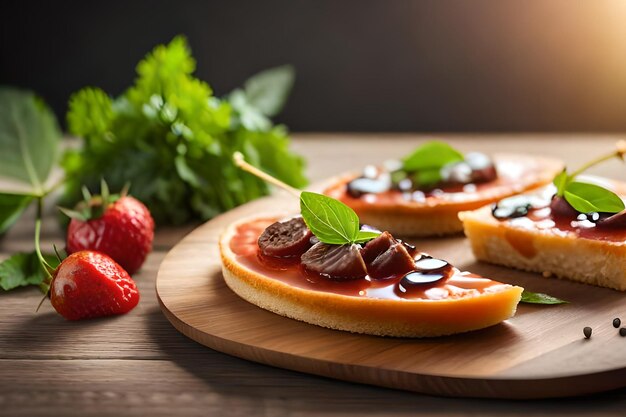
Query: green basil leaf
(29, 138)
(23, 269)
(365, 236)
(561, 181)
(540, 298)
(587, 198)
(11, 207)
(268, 90)
(431, 155)
(427, 177)
(330, 220)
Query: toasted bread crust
(565, 256)
(422, 219)
(381, 317)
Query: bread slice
(549, 251)
(387, 316)
(437, 216)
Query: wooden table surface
(139, 365)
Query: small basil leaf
(365, 236)
(540, 298)
(431, 155)
(427, 177)
(330, 220)
(587, 198)
(560, 181)
(11, 207)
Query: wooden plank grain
(225, 386)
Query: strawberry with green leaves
(89, 284)
(117, 225)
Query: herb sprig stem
(596, 161)
(240, 161)
(330, 220)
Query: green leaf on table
(432, 155)
(587, 198)
(11, 207)
(268, 90)
(29, 138)
(23, 269)
(540, 298)
(331, 221)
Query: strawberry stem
(44, 264)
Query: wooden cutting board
(539, 353)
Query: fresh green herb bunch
(173, 140)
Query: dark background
(482, 65)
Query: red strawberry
(90, 284)
(124, 231)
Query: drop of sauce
(428, 272)
(430, 264)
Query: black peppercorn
(622, 331)
(617, 322)
(587, 332)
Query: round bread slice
(540, 247)
(381, 313)
(437, 215)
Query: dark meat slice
(339, 262)
(386, 257)
(412, 250)
(376, 246)
(483, 168)
(615, 221)
(476, 168)
(286, 239)
(561, 208)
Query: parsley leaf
(262, 96)
(540, 298)
(172, 139)
(331, 221)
